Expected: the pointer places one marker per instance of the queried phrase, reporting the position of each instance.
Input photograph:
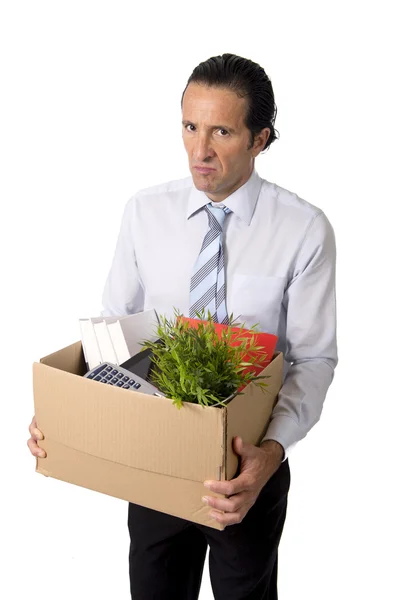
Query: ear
(260, 141)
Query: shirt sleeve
(310, 305)
(123, 292)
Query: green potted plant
(206, 364)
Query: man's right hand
(36, 435)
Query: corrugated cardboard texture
(171, 495)
(127, 427)
(70, 359)
(248, 413)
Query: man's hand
(258, 464)
(35, 436)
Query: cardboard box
(141, 448)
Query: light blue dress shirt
(280, 273)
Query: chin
(203, 187)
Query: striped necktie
(207, 289)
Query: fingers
(35, 450)
(228, 488)
(230, 505)
(241, 496)
(34, 431)
(36, 435)
(232, 510)
(228, 518)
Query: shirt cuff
(280, 430)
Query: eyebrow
(227, 128)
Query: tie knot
(216, 216)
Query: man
(227, 240)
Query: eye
(226, 133)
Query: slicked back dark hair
(247, 79)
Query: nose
(202, 148)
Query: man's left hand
(258, 464)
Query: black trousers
(167, 554)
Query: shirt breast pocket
(256, 299)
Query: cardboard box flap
(249, 415)
(123, 426)
(70, 359)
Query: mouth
(203, 170)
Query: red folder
(268, 342)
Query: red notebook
(268, 342)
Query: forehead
(213, 104)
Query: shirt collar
(242, 202)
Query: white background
(90, 114)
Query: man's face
(215, 136)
